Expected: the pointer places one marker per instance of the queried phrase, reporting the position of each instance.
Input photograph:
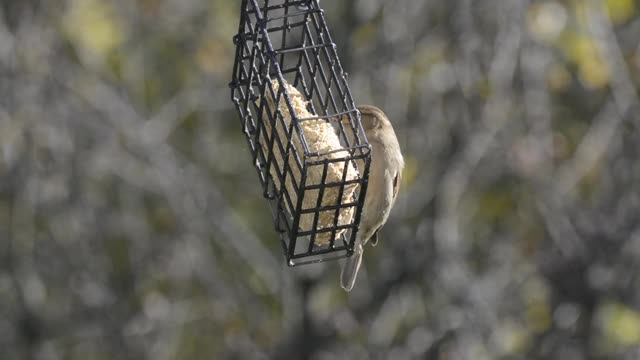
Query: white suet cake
(321, 138)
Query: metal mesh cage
(303, 128)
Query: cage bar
(287, 85)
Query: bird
(385, 175)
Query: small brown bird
(384, 180)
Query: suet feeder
(304, 132)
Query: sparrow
(385, 175)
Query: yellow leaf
(620, 11)
(621, 324)
(511, 337)
(92, 26)
(579, 47)
(538, 316)
(592, 70)
(593, 73)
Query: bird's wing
(396, 185)
(374, 237)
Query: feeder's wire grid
(288, 84)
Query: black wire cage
(304, 130)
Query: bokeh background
(132, 225)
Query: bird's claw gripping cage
(303, 128)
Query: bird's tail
(350, 269)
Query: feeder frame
(288, 41)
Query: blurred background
(132, 225)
